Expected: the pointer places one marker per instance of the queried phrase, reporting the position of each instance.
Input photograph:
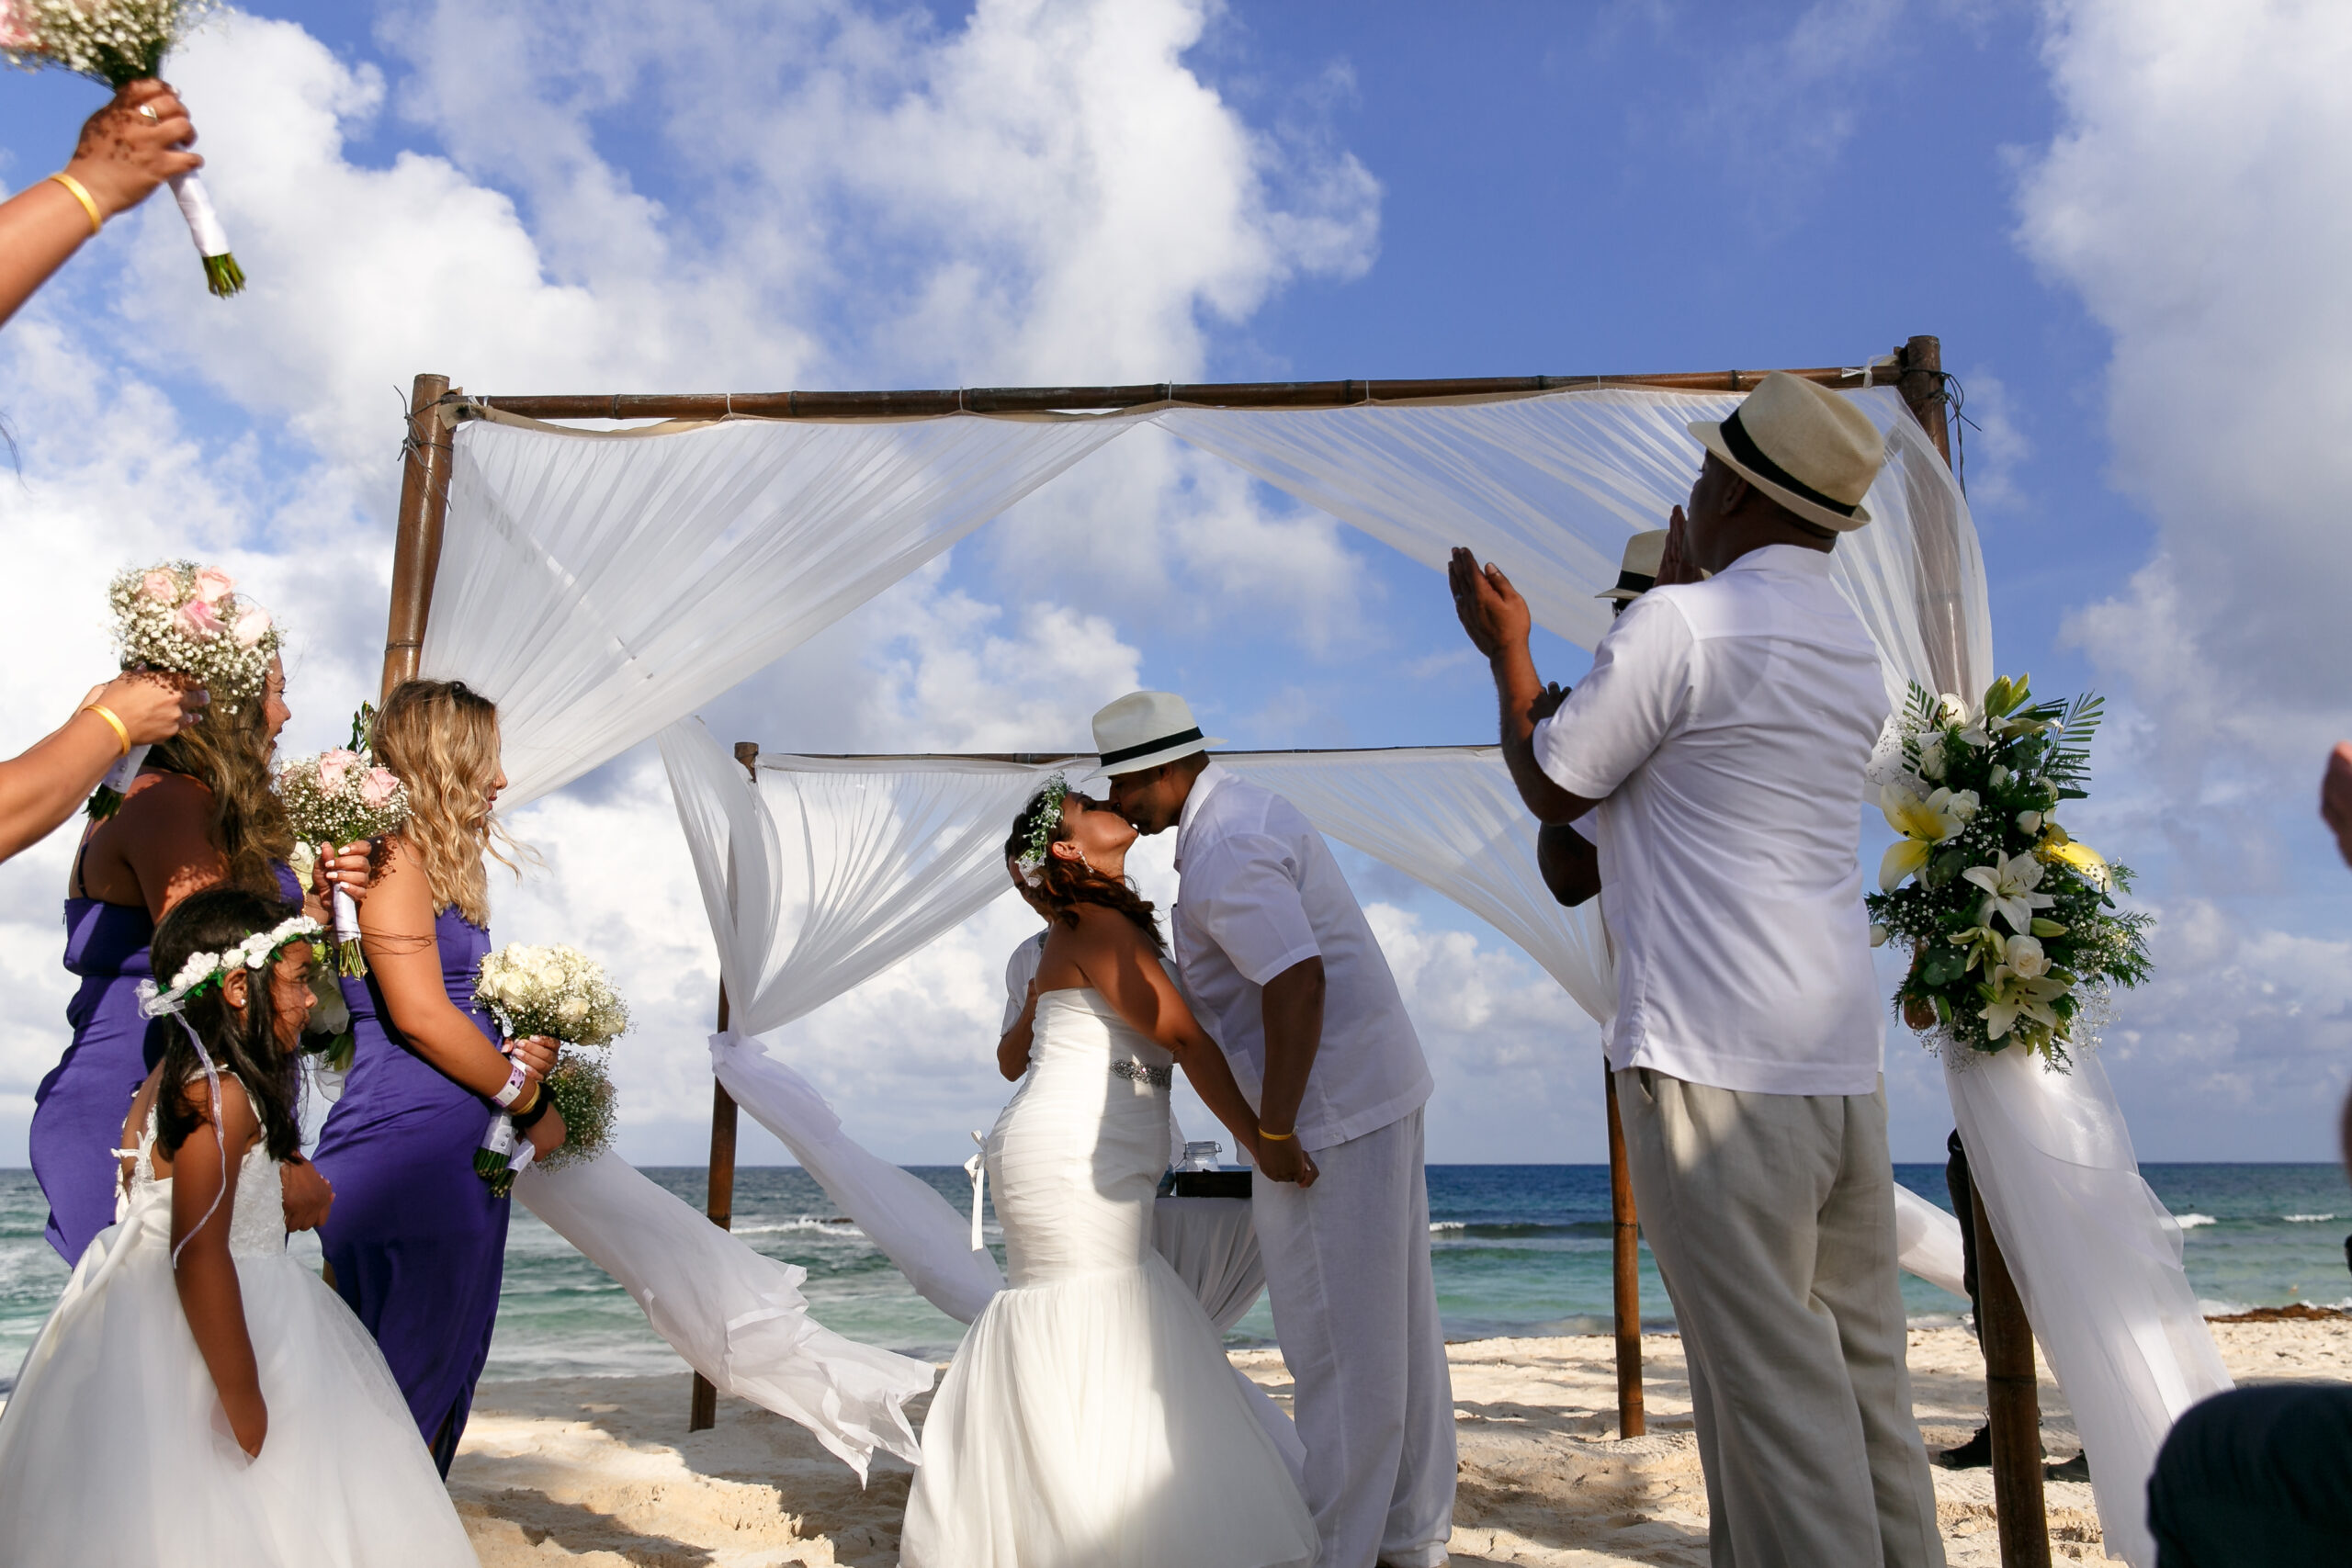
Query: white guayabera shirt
(1725, 729)
(1258, 893)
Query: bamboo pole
(1049, 400)
(416, 540)
(2012, 1400)
(719, 1200)
(1625, 1236)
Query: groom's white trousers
(1355, 1313)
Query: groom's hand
(1281, 1159)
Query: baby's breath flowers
(2012, 925)
(186, 619)
(339, 798)
(120, 43)
(563, 993)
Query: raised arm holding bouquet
(122, 43)
(137, 141)
(557, 993)
(185, 619)
(2012, 925)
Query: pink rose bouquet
(189, 620)
(334, 798)
(118, 43)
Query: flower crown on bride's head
(1048, 811)
(202, 969)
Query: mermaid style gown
(113, 1449)
(1091, 1418)
(416, 1241)
(79, 1107)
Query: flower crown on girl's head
(203, 969)
(1048, 813)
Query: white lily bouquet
(559, 992)
(186, 619)
(120, 43)
(337, 797)
(2012, 925)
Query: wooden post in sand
(1625, 1237)
(2012, 1400)
(719, 1202)
(416, 539)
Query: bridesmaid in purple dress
(201, 813)
(417, 1242)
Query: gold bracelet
(1279, 1137)
(107, 714)
(82, 195)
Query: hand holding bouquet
(562, 993)
(336, 798)
(119, 42)
(186, 619)
(2012, 923)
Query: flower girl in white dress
(197, 1396)
(1091, 1419)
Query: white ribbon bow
(977, 1168)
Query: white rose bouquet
(2012, 923)
(563, 993)
(189, 620)
(120, 43)
(337, 797)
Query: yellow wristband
(82, 195)
(120, 733)
(1280, 1137)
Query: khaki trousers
(1772, 1217)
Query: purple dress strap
(417, 1242)
(79, 1108)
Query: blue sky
(2120, 218)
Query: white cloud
(2194, 199)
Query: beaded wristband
(506, 1096)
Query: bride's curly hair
(1063, 883)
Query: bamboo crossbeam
(1053, 400)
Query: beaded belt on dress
(1157, 1078)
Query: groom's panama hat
(1637, 571)
(1804, 446)
(1144, 729)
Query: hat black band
(1126, 752)
(1634, 583)
(1742, 446)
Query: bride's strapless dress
(1091, 1418)
(114, 1448)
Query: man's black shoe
(2076, 1468)
(1974, 1454)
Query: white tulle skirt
(114, 1449)
(1091, 1418)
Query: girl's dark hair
(210, 921)
(1064, 884)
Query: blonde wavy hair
(441, 738)
(229, 754)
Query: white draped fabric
(598, 585)
(737, 1317)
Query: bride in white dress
(197, 1396)
(1091, 1418)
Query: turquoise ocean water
(1517, 1250)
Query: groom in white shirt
(1722, 736)
(1285, 974)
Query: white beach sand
(601, 1470)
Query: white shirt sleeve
(1019, 970)
(1639, 688)
(1243, 894)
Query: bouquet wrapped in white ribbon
(120, 43)
(562, 993)
(186, 619)
(338, 798)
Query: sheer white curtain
(737, 1317)
(600, 584)
(1550, 487)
